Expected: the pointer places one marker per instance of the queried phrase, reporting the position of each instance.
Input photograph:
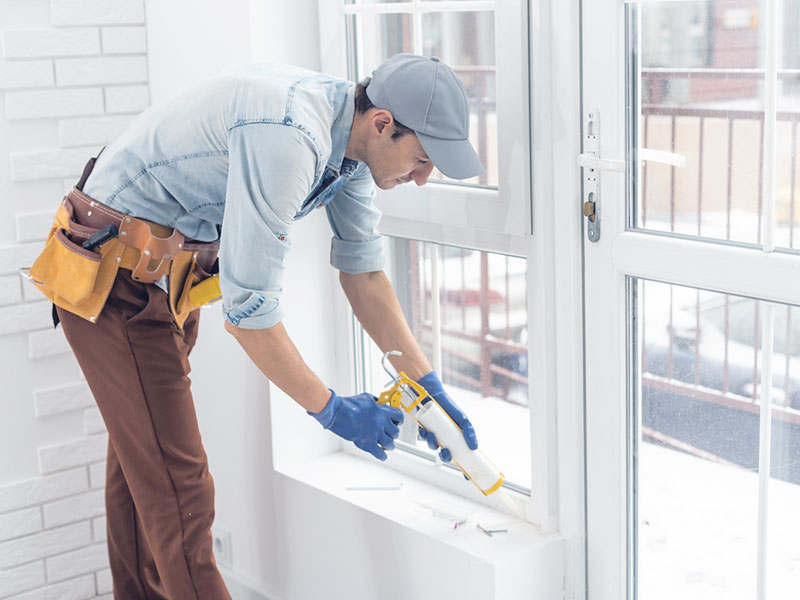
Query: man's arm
(276, 355)
(376, 307)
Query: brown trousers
(159, 493)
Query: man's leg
(136, 362)
(134, 570)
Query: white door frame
(622, 252)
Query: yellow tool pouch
(190, 287)
(73, 278)
(80, 280)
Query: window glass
(699, 445)
(482, 335)
(462, 39)
(702, 97)
(698, 451)
(379, 37)
(465, 41)
(783, 550)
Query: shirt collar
(340, 134)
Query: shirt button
(283, 237)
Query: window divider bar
(708, 265)
(416, 17)
(436, 311)
(765, 444)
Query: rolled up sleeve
(356, 246)
(271, 169)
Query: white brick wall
(10, 290)
(103, 581)
(107, 12)
(84, 132)
(101, 71)
(127, 98)
(24, 317)
(99, 532)
(26, 74)
(86, 560)
(70, 454)
(74, 589)
(64, 398)
(76, 508)
(31, 43)
(78, 69)
(29, 166)
(97, 475)
(47, 342)
(43, 104)
(21, 579)
(33, 226)
(14, 257)
(93, 421)
(20, 522)
(46, 543)
(35, 491)
(124, 40)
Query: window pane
(379, 37)
(702, 98)
(483, 333)
(698, 449)
(783, 569)
(465, 41)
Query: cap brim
(455, 158)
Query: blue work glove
(434, 387)
(360, 419)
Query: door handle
(592, 165)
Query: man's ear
(380, 120)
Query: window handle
(590, 161)
(592, 165)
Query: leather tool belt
(79, 279)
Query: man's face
(393, 162)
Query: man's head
(413, 114)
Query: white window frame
(555, 354)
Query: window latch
(593, 165)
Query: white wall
(71, 75)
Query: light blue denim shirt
(239, 159)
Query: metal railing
(679, 118)
(471, 355)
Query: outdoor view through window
(702, 95)
(480, 334)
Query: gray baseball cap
(426, 95)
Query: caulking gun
(406, 394)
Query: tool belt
(79, 279)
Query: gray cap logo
(427, 96)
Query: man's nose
(420, 174)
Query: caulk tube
(473, 462)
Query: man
(237, 160)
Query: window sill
(433, 512)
